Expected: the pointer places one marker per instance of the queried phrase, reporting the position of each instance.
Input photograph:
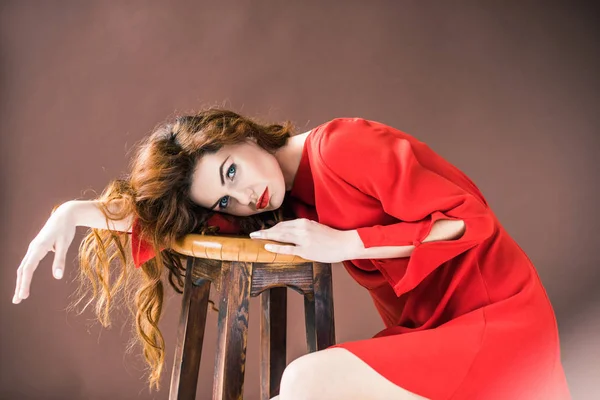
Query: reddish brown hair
(156, 193)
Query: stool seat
(232, 248)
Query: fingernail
(58, 274)
(255, 234)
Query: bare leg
(335, 374)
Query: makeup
(263, 201)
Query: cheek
(265, 171)
(274, 173)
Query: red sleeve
(143, 250)
(382, 162)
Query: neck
(289, 157)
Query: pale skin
(233, 179)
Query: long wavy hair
(157, 193)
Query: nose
(245, 196)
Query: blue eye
(224, 205)
(231, 171)
(230, 174)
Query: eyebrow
(222, 180)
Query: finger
(281, 236)
(294, 223)
(258, 234)
(16, 298)
(58, 265)
(28, 270)
(280, 249)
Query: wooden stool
(239, 268)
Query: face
(233, 180)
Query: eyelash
(227, 174)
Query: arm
(414, 185)
(87, 213)
(441, 230)
(57, 235)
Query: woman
(466, 315)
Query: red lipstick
(263, 201)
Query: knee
(299, 380)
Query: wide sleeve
(415, 186)
(141, 250)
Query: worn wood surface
(231, 248)
(232, 331)
(190, 336)
(295, 276)
(309, 323)
(324, 318)
(236, 282)
(273, 344)
(207, 269)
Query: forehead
(205, 178)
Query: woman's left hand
(311, 240)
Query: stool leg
(190, 336)
(309, 322)
(232, 331)
(273, 303)
(323, 306)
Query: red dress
(465, 318)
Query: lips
(263, 200)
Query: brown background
(506, 90)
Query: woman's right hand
(56, 235)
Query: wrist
(68, 210)
(352, 245)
